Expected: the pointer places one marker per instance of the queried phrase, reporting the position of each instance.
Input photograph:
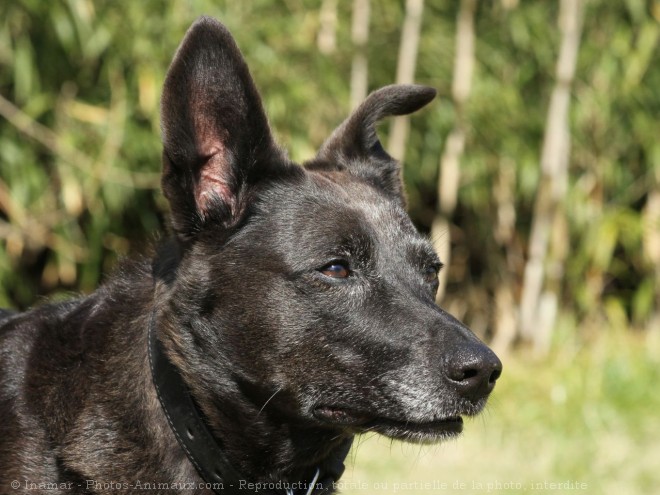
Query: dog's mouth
(360, 422)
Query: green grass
(588, 414)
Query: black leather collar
(203, 449)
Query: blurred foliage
(79, 163)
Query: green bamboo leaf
(24, 69)
(639, 61)
(643, 300)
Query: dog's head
(305, 293)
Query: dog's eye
(431, 274)
(336, 269)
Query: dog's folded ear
(354, 145)
(215, 131)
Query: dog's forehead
(336, 207)
(333, 197)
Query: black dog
(293, 308)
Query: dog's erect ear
(215, 131)
(354, 145)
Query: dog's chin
(410, 431)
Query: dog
(292, 308)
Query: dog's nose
(473, 371)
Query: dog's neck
(209, 454)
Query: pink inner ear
(213, 180)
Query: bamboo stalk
(449, 176)
(652, 247)
(327, 37)
(537, 315)
(506, 311)
(405, 72)
(360, 37)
